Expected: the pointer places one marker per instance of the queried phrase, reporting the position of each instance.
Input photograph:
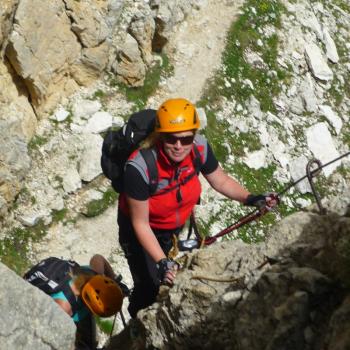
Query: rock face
(60, 45)
(51, 49)
(30, 319)
(230, 296)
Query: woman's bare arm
(226, 185)
(139, 212)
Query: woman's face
(178, 145)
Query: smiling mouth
(177, 154)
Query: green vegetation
(59, 215)
(36, 142)
(97, 207)
(14, 249)
(233, 82)
(243, 37)
(139, 95)
(99, 94)
(106, 326)
(26, 196)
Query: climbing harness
(190, 244)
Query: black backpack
(52, 275)
(119, 144)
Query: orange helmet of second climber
(102, 296)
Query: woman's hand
(262, 201)
(167, 270)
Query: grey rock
(229, 289)
(331, 49)
(130, 68)
(316, 62)
(332, 117)
(321, 144)
(89, 165)
(31, 319)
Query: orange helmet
(102, 296)
(176, 115)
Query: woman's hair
(151, 140)
(80, 276)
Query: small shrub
(97, 207)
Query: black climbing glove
(164, 266)
(125, 289)
(261, 201)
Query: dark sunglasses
(172, 140)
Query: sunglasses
(172, 139)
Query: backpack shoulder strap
(71, 298)
(197, 161)
(151, 164)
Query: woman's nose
(178, 143)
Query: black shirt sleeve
(211, 162)
(135, 186)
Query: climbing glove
(125, 289)
(166, 270)
(265, 200)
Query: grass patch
(59, 215)
(97, 207)
(99, 94)
(36, 142)
(238, 80)
(14, 249)
(245, 36)
(213, 132)
(140, 95)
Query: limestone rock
(6, 11)
(167, 15)
(88, 21)
(256, 160)
(42, 57)
(16, 113)
(307, 92)
(91, 64)
(85, 108)
(99, 122)
(332, 117)
(331, 49)
(316, 62)
(142, 28)
(291, 299)
(71, 180)
(130, 69)
(321, 144)
(30, 319)
(89, 165)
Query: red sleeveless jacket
(170, 208)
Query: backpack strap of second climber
(71, 298)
